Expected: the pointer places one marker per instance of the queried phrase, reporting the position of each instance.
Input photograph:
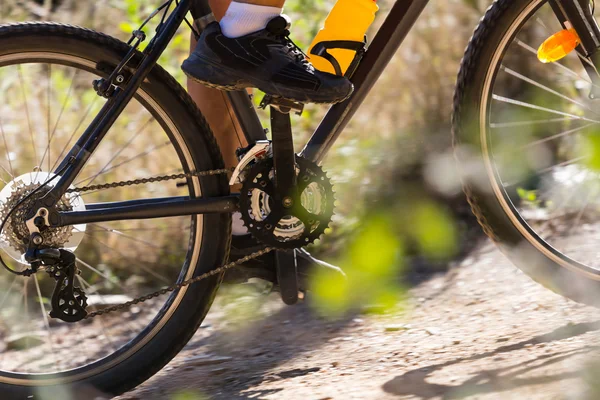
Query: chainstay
(178, 286)
(144, 181)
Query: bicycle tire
(522, 246)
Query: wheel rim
(540, 116)
(21, 358)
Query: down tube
(390, 36)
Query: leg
(216, 109)
(214, 104)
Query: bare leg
(220, 116)
(214, 104)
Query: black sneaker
(268, 60)
(264, 267)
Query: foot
(264, 267)
(268, 60)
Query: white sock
(237, 225)
(242, 19)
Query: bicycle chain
(187, 282)
(178, 286)
(144, 181)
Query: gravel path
(483, 330)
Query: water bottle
(336, 45)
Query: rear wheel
(525, 134)
(47, 100)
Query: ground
(483, 330)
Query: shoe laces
(283, 35)
(300, 55)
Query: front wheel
(526, 140)
(47, 100)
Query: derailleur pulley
(68, 301)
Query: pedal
(282, 105)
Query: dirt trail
(484, 330)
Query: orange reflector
(558, 45)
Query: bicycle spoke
(108, 278)
(93, 178)
(8, 152)
(85, 285)
(564, 164)
(49, 111)
(85, 115)
(543, 87)
(533, 106)
(10, 289)
(121, 234)
(556, 136)
(140, 263)
(145, 153)
(499, 125)
(583, 208)
(2, 179)
(46, 321)
(20, 74)
(565, 201)
(166, 228)
(60, 114)
(26, 309)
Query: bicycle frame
(393, 31)
(390, 36)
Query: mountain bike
(110, 172)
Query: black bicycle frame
(397, 24)
(390, 36)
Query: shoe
(268, 60)
(264, 267)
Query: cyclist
(249, 47)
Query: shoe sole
(269, 90)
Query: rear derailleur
(68, 302)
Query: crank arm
(284, 160)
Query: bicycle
(286, 199)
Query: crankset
(295, 221)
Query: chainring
(287, 228)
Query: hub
(15, 237)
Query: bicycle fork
(578, 15)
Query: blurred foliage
(371, 263)
(188, 395)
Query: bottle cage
(320, 49)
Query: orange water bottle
(343, 35)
